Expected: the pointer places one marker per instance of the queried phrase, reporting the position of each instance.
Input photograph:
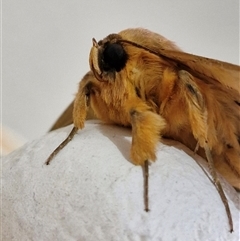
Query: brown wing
(207, 69)
(64, 119)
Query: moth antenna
(93, 61)
(138, 46)
(62, 145)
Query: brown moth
(142, 80)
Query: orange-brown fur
(196, 103)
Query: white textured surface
(91, 191)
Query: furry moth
(141, 80)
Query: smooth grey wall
(45, 46)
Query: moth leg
(219, 186)
(80, 110)
(62, 145)
(146, 185)
(146, 130)
(198, 120)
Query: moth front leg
(80, 111)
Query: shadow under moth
(139, 79)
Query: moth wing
(209, 70)
(66, 118)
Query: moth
(140, 79)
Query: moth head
(107, 57)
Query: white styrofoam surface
(91, 191)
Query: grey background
(45, 46)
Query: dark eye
(114, 57)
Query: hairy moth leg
(198, 114)
(80, 110)
(146, 130)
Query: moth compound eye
(114, 57)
